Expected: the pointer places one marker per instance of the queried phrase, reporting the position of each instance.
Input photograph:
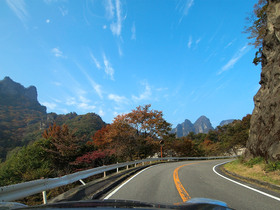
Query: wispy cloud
(50, 105)
(133, 31)
(109, 7)
(101, 113)
(95, 86)
(118, 99)
(48, 21)
(19, 8)
(190, 42)
(96, 62)
(241, 52)
(114, 12)
(146, 93)
(57, 52)
(197, 41)
(108, 68)
(63, 11)
(116, 26)
(184, 7)
(57, 84)
(86, 106)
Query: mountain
(14, 94)
(225, 122)
(23, 118)
(201, 125)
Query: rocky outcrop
(184, 128)
(264, 138)
(201, 125)
(14, 94)
(225, 122)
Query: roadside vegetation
(256, 168)
(136, 135)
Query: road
(179, 181)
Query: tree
(29, 163)
(257, 28)
(62, 147)
(133, 135)
(148, 123)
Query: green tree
(29, 163)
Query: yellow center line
(182, 191)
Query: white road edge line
(117, 189)
(243, 185)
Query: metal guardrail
(22, 190)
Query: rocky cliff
(264, 138)
(14, 94)
(201, 125)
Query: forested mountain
(23, 118)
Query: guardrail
(22, 190)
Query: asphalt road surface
(177, 182)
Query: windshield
(94, 83)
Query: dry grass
(257, 171)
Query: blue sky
(186, 58)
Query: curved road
(179, 181)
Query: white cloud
(241, 52)
(49, 105)
(146, 93)
(71, 101)
(118, 99)
(48, 21)
(57, 84)
(57, 52)
(109, 7)
(114, 12)
(184, 7)
(104, 27)
(197, 41)
(97, 64)
(86, 106)
(19, 8)
(190, 42)
(120, 50)
(133, 31)
(63, 11)
(108, 68)
(101, 113)
(94, 85)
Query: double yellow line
(182, 191)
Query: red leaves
(91, 157)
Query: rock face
(225, 122)
(184, 128)
(264, 138)
(14, 94)
(201, 125)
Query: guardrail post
(83, 183)
(127, 167)
(44, 197)
(104, 173)
(117, 168)
(142, 163)
(134, 164)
